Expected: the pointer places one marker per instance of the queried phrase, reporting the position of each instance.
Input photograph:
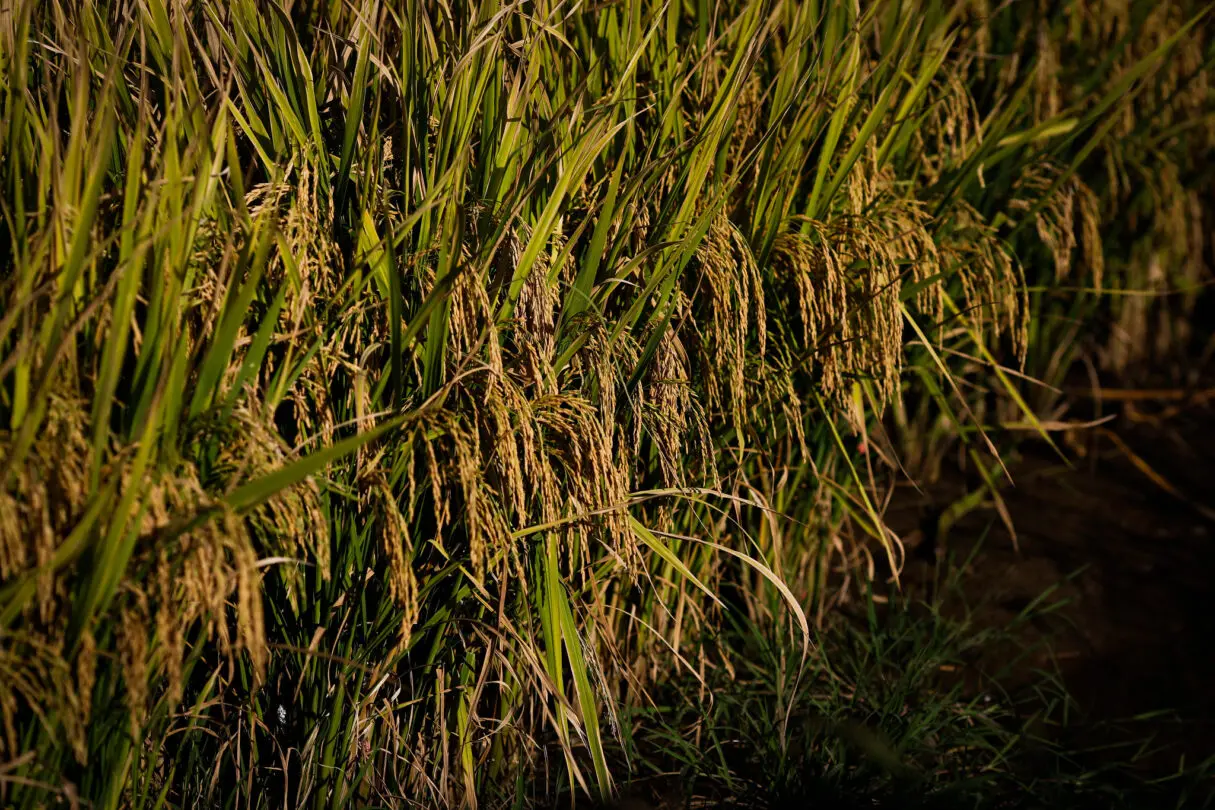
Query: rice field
(395, 396)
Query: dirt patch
(1122, 544)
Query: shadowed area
(1120, 544)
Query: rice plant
(388, 389)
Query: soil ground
(1124, 543)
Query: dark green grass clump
(881, 718)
